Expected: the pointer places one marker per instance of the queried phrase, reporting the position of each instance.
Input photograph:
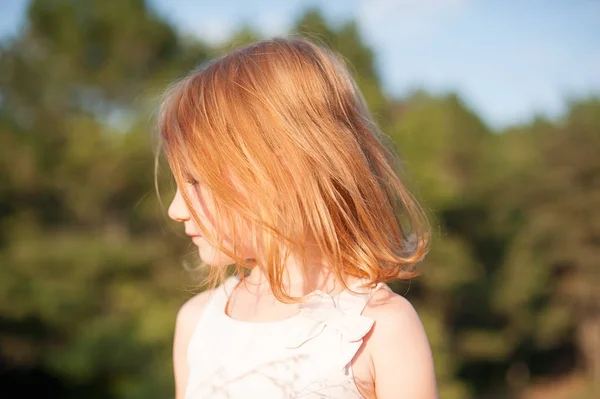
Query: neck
(299, 279)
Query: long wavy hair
(281, 137)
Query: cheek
(205, 208)
(213, 256)
(243, 237)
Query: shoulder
(391, 312)
(399, 350)
(187, 318)
(396, 324)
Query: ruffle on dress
(341, 313)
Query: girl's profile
(282, 172)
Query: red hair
(284, 119)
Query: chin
(218, 261)
(213, 257)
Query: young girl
(281, 171)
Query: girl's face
(204, 207)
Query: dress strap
(355, 300)
(213, 311)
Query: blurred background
(494, 106)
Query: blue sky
(508, 59)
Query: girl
(281, 171)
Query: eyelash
(192, 182)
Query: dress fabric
(305, 356)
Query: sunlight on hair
(279, 135)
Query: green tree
(90, 273)
(549, 285)
(88, 283)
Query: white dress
(304, 356)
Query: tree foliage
(91, 271)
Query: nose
(178, 209)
